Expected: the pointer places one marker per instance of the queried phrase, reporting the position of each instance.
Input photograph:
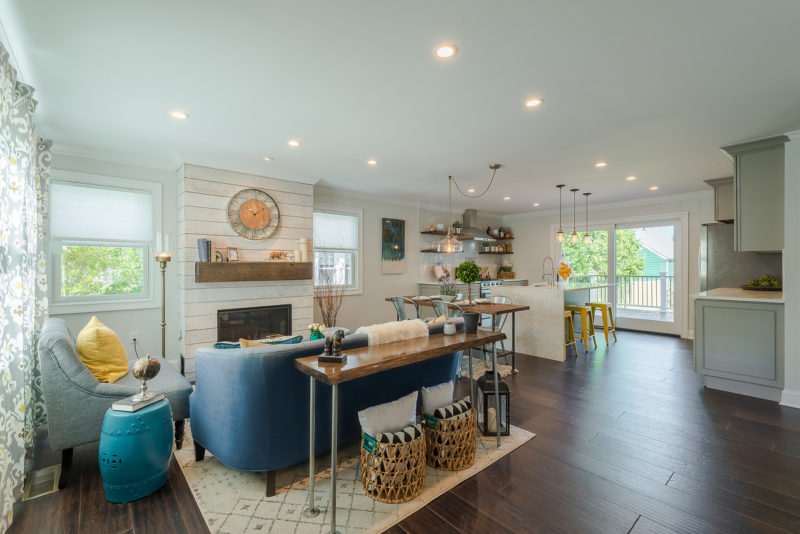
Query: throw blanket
(378, 334)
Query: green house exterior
(654, 264)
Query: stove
(487, 285)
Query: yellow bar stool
(587, 326)
(569, 332)
(608, 317)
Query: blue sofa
(250, 406)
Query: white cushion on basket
(390, 417)
(437, 396)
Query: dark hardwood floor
(627, 440)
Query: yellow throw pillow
(246, 343)
(440, 319)
(102, 352)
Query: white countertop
(737, 293)
(434, 283)
(569, 286)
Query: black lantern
(486, 409)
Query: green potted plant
(457, 226)
(469, 273)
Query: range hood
(471, 230)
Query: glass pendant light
(450, 245)
(560, 233)
(573, 237)
(586, 238)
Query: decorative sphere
(146, 368)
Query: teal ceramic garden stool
(135, 448)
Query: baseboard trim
(689, 334)
(743, 388)
(791, 398)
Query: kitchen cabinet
(724, 199)
(739, 344)
(758, 194)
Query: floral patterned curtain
(24, 190)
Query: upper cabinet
(758, 194)
(724, 202)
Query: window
(337, 244)
(100, 242)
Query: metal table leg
(311, 510)
(471, 383)
(334, 451)
(514, 343)
(496, 396)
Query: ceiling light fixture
(294, 143)
(631, 178)
(267, 158)
(177, 114)
(560, 233)
(372, 162)
(446, 51)
(506, 197)
(586, 238)
(573, 237)
(535, 204)
(534, 102)
(601, 164)
(451, 245)
(654, 188)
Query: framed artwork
(393, 246)
(233, 254)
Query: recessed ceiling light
(177, 114)
(534, 102)
(446, 51)
(506, 197)
(630, 178)
(267, 158)
(653, 188)
(471, 190)
(535, 204)
(372, 162)
(601, 164)
(294, 142)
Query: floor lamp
(162, 256)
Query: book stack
(130, 405)
(204, 249)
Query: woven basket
(506, 275)
(451, 446)
(393, 473)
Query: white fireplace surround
(202, 197)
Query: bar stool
(587, 326)
(569, 332)
(608, 317)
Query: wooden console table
(373, 359)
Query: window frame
(151, 291)
(358, 287)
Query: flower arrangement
(508, 266)
(564, 271)
(446, 286)
(316, 330)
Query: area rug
(479, 368)
(234, 502)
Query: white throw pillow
(390, 417)
(437, 396)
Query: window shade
(81, 211)
(334, 230)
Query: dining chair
(498, 322)
(448, 309)
(400, 304)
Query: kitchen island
(738, 345)
(541, 331)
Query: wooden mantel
(252, 271)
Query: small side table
(135, 449)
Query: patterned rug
(234, 502)
(479, 368)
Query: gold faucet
(552, 273)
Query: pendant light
(573, 237)
(450, 245)
(586, 238)
(560, 233)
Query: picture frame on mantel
(393, 246)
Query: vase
(316, 334)
(447, 298)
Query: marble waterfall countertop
(737, 293)
(435, 283)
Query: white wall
(369, 307)
(791, 268)
(147, 322)
(533, 235)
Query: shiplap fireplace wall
(203, 195)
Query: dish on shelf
(761, 288)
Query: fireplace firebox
(254, 323)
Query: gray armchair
(77, 402)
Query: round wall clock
(253, 214)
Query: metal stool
(608, 318)
(587, 326)
(569, 332)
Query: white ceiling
(652, 87)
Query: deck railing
(654, 292)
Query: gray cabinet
(724, 201)
(758, 194)
(739, 346)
